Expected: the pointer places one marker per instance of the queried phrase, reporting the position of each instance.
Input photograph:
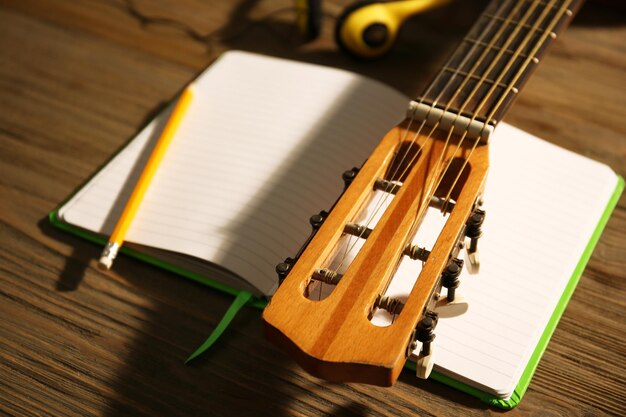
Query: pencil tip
(108, 255)
(105, 263)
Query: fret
(542, 4)
(498, 109)
(514, 23)
(467, 76)
(456, 71)
(488, 69)
(494, 47)
(545, 3)
(517, 34)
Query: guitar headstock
(333, 337)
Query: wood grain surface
(79, 77)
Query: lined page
(261, 149)
(543, 204)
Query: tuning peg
(316, 220)
(447, 309)
(450, 277)
(327, 276)
(453, 304)
(391, 187)
(424, 364)
(348, 176)
(357, 230)
(416, 252)
(473, 230)
(392, 305)
(425, 333)
(283, 268)
(445, 205)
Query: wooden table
(78, 78)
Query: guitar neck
(488, 69)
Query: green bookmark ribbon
(243, 297)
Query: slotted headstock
(334, 338)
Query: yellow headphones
(366, 29)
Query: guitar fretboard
(493, 61)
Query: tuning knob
(447, 309)
(450, 277)
(349, 176)
(473, 230)
(453, 304)
(283, 268)
(317, 220)
(425, 333)
(424, 364)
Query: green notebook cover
(244, 298)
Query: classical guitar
(437, 157)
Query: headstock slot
(415, 257)
(355, 232)
(333, 338)
(406, 156)
(452, 182)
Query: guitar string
(514, 57)
(422, 99)
(467, 77)
(460, 87)
(352, 240)
(564, 9)
(471, 72)
(521, 47)
(513, 35)
(390, 187)
(442, 72)
(397, 164)
(434, 127)
(495, 61)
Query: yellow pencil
(117, 237)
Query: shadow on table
(241, 375)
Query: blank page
(261, 149)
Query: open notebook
(263, 147)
